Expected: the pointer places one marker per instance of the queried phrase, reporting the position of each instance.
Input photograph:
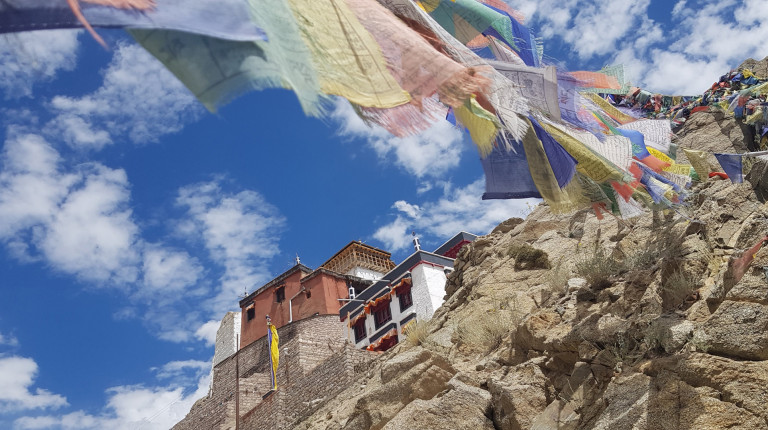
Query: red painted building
(301, 292)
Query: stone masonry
(316, 363)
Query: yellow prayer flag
(274, 353)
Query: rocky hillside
(570, 322)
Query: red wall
(324, 290)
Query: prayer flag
(639, 149)
(273, 341)
(224, 19)
(741, 264)
(732, 166)
(562, 163)
(506, 173)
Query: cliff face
(570, 322)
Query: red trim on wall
(453, 252)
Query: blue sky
(131, 218)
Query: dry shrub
(677, 286)
(597, 267)
(557, 279)
(487, 332)
(527, 257)
(417, 331)
(664, 244)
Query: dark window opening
(280, 294)
(360, 330)
(382, 315)
(406, 301)
(309, 294)
(250, 313)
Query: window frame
(401, 298)
(360, 328)
(380, 321)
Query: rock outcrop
(570, 322)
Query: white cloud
(78, 221)
(457, 210)
(174, 369)
(597, 27)
(17, 376)
(8, 340)
(139, 100)
(35, 56)
(92, 234)
(682, 55)
(169, 270)
(240, 232)
(430, 154)
(207, 332)
(127, 408)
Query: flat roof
(455, 240)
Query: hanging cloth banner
(506, 173)
(562, 163)
(657, 132)
(699, 161)
(617, 72)
(589, 164)
(482, 125)
(596, 80)
(537, 85)
(465, 19)
(217, 71)
(732, 165)
(417, 66)
(345, 55)
(273, 343)
(610, 110)
(560, 200)
(741, 264)
(524, 41)
(224, 19)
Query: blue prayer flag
(507, 175)
(732, 166)
(563, 164)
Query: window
(360, 330)
(406, 301)
(382, 315)
(251, 313)
(280, 294)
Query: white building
(413, 290)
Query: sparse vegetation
(624, 351)
(597, 267)
(677, 286)
(417, 331)
(488, 332)
(665, 244)
(527, 257)
(557, 278)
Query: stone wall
(315, 363)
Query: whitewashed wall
(226, 337)
(427, 293)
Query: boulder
(737, 329)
